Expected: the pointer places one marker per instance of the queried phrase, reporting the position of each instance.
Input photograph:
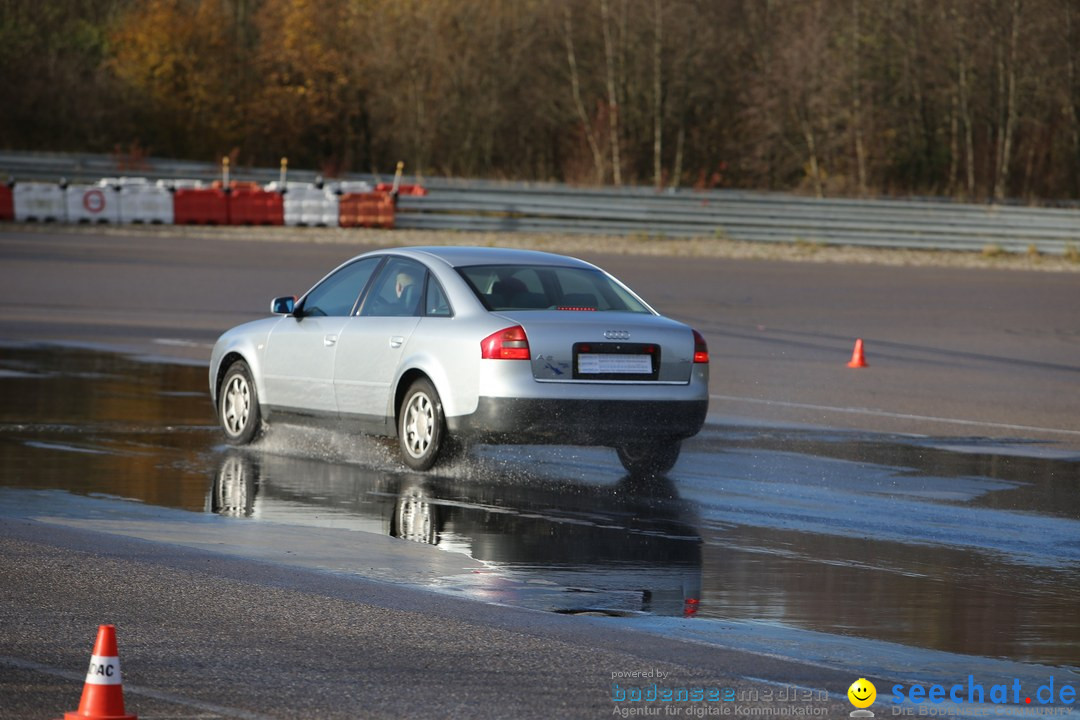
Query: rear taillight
(701, 349)
(507, 344)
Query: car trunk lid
(579, 346)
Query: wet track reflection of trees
(93, 422)
(951, 545)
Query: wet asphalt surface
(788, 552)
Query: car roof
(463, 256)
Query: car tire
(238, 405)
(421, 426)
(648, 459)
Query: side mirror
(283, 305)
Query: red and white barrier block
(92, 204)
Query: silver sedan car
(446, 346)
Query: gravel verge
(992, 258)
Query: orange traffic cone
(103, 691)
(857, 358)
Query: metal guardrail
(750, 217)
(491, 206)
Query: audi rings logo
(617, 334)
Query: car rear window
(545, 287)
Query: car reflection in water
(618, 549)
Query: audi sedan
(447, 346)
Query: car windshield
(546, 287)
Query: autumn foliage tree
(177, 61)
(310, 100)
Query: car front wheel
(421, 426)
(649, 458)
(238, 405)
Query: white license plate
(608, 363)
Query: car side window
(436, 304)
(397, 290)
(336, 295)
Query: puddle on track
(793, 527)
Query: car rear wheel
(238, 405)
(421, 426)
(649, 458)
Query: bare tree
(963, 97)
(856, 95)
(575, 86)
(1006, 68)
(658, 117)
(613, 99)
(1072, 89)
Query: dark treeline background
(975, 99)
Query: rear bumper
(579, 422)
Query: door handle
(329, 340)
(396, 341)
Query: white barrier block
(92, 203)
(145, 203)
(292, 201)
(305, 204)
(39, 202)
(320, 207)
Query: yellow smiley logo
(862, 693)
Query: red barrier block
(7, 203)
(375, 209)
(200, 206)
(255, 206)
(419, 190)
